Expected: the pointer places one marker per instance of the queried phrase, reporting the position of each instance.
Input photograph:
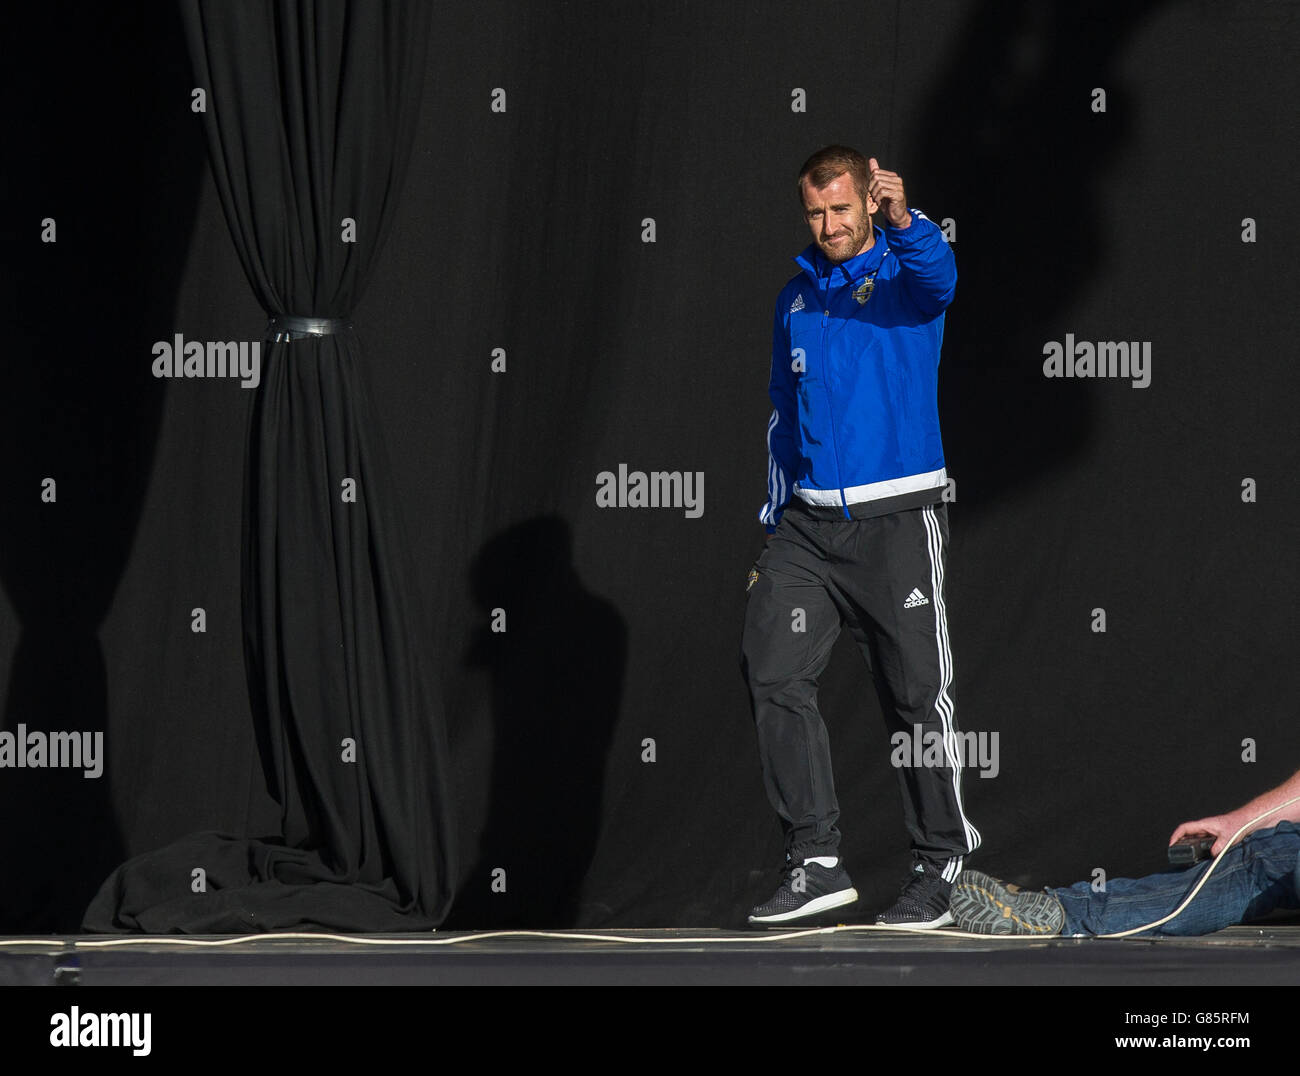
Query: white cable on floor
(245, 939)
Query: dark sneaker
(984, 905)
(923, 904)
(808, 890)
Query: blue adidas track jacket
(854, 384)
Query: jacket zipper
(830, 409)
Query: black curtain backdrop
(601, 766)
(310, 120)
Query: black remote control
(1190, 849)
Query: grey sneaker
(982, 904)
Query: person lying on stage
(1259, 873)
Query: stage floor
(1264, 954)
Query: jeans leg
(1256, 876)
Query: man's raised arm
(929, 269)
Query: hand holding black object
(1220, 827)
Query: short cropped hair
(824, 165)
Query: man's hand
(1274, 805)
(886, 190)
(1220, 827)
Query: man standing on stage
(857, 532)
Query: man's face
(839, 221)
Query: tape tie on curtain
(292, 327)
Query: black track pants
(883, 577)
